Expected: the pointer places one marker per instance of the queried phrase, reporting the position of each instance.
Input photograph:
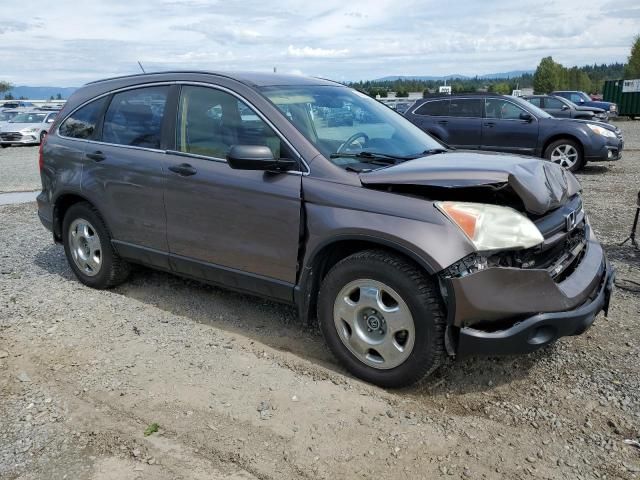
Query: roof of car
(255, 79)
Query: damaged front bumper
(500, 310)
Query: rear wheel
(382, 317)
(5, 145)
(566, 153)
(87, 245)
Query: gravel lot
(240, 390)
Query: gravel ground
(19, 169)
(240, 390)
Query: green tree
(8, 96)
(402, 94)
(502, 88)
(5, 87)
(632, 68)
(547, 76)
(58, 97)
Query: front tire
(382, 318)
(566, 153)
(87, 245)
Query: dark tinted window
(553, 103)
(135, 117)
(435, 108)
(466, 107)
(537, 101)
(82, 123)
(210, 121)
(499, 108)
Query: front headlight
(29, 130)
(601, 131)
(492, 227)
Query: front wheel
(383, 319)
(566, 153)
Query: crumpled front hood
(541, 185)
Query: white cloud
(360, 39)
(310, 52)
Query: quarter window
(466, 107)
(499, 108)
(82, 122)
(135, 117)
(434, 108)
(210, 121)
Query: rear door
(465, 122)
(239, 228)
(124, 172)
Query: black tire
(42, 135)
(5, 145)
(579, 164)
(113, 269)
(419, 293)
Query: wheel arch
(61, 205)
(562, 136)
(330, 252)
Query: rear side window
(466, 107)
(499, 108)
(134, 117)
(82, 122)
(434, 108)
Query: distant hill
(489, 76)
(41, 93)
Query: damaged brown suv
(404, 251)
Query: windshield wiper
(431, 151)
(373, 157)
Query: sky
(66, 43)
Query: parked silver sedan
(26, 128)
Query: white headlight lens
(601, 131)
(492, 227)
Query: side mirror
(257, 157)
(526, 117)
(565, 107)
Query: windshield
(348, 126)
(28, 118)
(4, 116)
(538, 112)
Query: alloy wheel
(85, 247)
(565, 155)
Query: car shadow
(594, 169)
(278, 326)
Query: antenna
(141, 68)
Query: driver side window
(211, 121)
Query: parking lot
(241, 390)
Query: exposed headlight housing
(605, 132)
(492, 227)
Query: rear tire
(87, 245)
(4, 145)
(382, 318)
(566, 153)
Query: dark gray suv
(404, 251)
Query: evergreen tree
(632, 69)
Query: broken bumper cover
(539, 330)
(513, 310)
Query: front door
(503, 129)
(235, 227)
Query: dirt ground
(240, 390)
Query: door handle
(184, 169)
(96, 156)
(443, 122)
(490, 124)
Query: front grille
(11, 136)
